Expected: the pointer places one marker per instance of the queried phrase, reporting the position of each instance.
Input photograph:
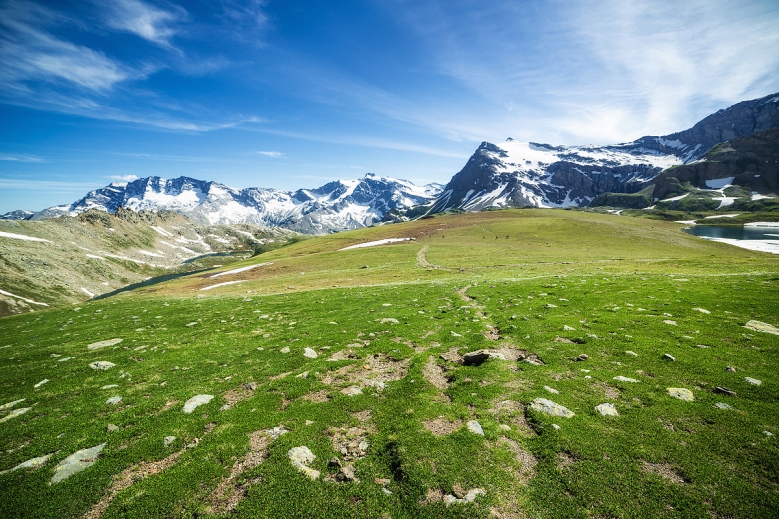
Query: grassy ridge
(602, 285)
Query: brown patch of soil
(563, 340)
(427, 334)
(564, 460)
(434, 495)
(375, 371)
(610, 392)
(345, 354)
(513, 413)
(441, 426)
(527, 462)
(229, 492)
(492, 333)
(664, 470)
(363, 416)
(509, 352)
(452, 356)
(280, 375)
(434, 374)
(168, 405)
(237, 395)
(317, 397)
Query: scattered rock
(110, 386)
(504, 427)
(722, 405)
(762, 327)
(251, 386)
(311, 354)
(276, 432)
(681, 393)
(196, 401)
(582, 357)
(15, 413)
(551, 408)
(552, 390)
(301, 457)
(475, 427)
(567, 328)
(550, 305)
(669, 321)
(102, 365)
(285, 349)
(768, 433)
(103, 344)
(389, 320)
(113, 400)
(455, 334)
(631, 353)
(76, 462)
(702, 310)
(666, 356)
(730, 369)
(39, 384)
(193, 323)
(476, 358)
(607, 409)
(31, 463)
(468, 498)
(352, 391)
(753, 381)
(724, 391)
(9, 405)
(556, 427)
(168, 440)
(111, 427)
(620, 378)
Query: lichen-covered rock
(762, 327)
(103, 344)
(681, 393)
(753, 381)
(352, 391)
(476, 358)
(301, 457)
(15, 413)
(475, 427)
(620, 378)
(113, 400)
(551, 408)
(311, 354)
(32, 463)
(102, 365)
(607, 409)
(76, 462)
(196, 401)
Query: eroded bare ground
(127, 477)
(373, 371)
(434, 495)
(317, 397)
(229, 492)
(665, 470)
(237, 395)
(610, 392)
(452, 356)
(527, 462)
(492, 333)
(351, 442)
(511, 412)
(564, 460)
(441, 426)
(435, 374)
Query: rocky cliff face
(752, 162)
(518, 174)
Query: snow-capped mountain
(519, 174)
(336, 206)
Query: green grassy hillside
(358, 355)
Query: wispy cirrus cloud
(274, 154)
(20, 157)
(142, 19)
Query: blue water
(734, 233)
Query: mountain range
(509, 174)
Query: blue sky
(288, 94)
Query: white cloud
(273, 154)
(143, 20)
(123, 178)
(16, 157)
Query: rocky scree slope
(71, 259)
(336, 206)
(520, 174)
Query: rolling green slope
(369, 375)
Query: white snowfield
(242, 269)
(375, 243)
(9, 294)
(21, 237)
(223, 284)
(762, 224)
(719, 183)
(771, 246)
(674, 199)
